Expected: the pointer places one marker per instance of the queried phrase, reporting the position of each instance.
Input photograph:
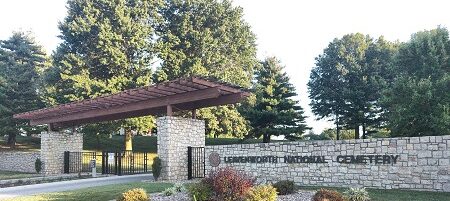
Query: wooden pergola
(181, 94)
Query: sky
(296, 32)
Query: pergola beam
(137, 106)
(188, 93)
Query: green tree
(346, 83)
(21, 60)
(3, 103)
(106, 48)
(274, 111)
(208, 38)
(418, 101)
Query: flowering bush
(229, 184)
(137, 194)
(262, 193)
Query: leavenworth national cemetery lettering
(347, 159)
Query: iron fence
(125, 162)
(196, 162)
(118, 163)
(75, 162)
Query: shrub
(137, 194)
(169, 191)
(200, 191)
(262, 193)
(156, 167)
(229, 184)
(357, 194)
(179, 187)
(284, 187)
(327, 195)
(38, 165)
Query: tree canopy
(346, 83)
(418, 100)
(110, 46)
(274, 111)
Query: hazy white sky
(294, 31)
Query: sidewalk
(69, 185)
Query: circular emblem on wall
(214, 159)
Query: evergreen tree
(21, 60)
(106, 48)
(208, 38)
(274, 111)
(418, 101)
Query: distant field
(23, 143)
(140, 143)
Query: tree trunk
(12, 140)
(266, 138)
(338, 130)
(357, 132)
(364, 131)
(128, 140)
(98, 141)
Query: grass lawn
(397, 195)
(102, 193)
(5, 175)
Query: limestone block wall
(175, 134)
(53, 146)
(395, 163)
(18, 161)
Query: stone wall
(402, 163)
(53, 145)
(18, 161)
(175, 134)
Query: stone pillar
(53, 146)
(175, 134)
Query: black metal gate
(125, 162)
(196, 162)
(75, 162)
(118, 163)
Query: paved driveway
(69, 185)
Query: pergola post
(194, 113)
(51, 127)
(169, 110)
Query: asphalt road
(69, 185)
